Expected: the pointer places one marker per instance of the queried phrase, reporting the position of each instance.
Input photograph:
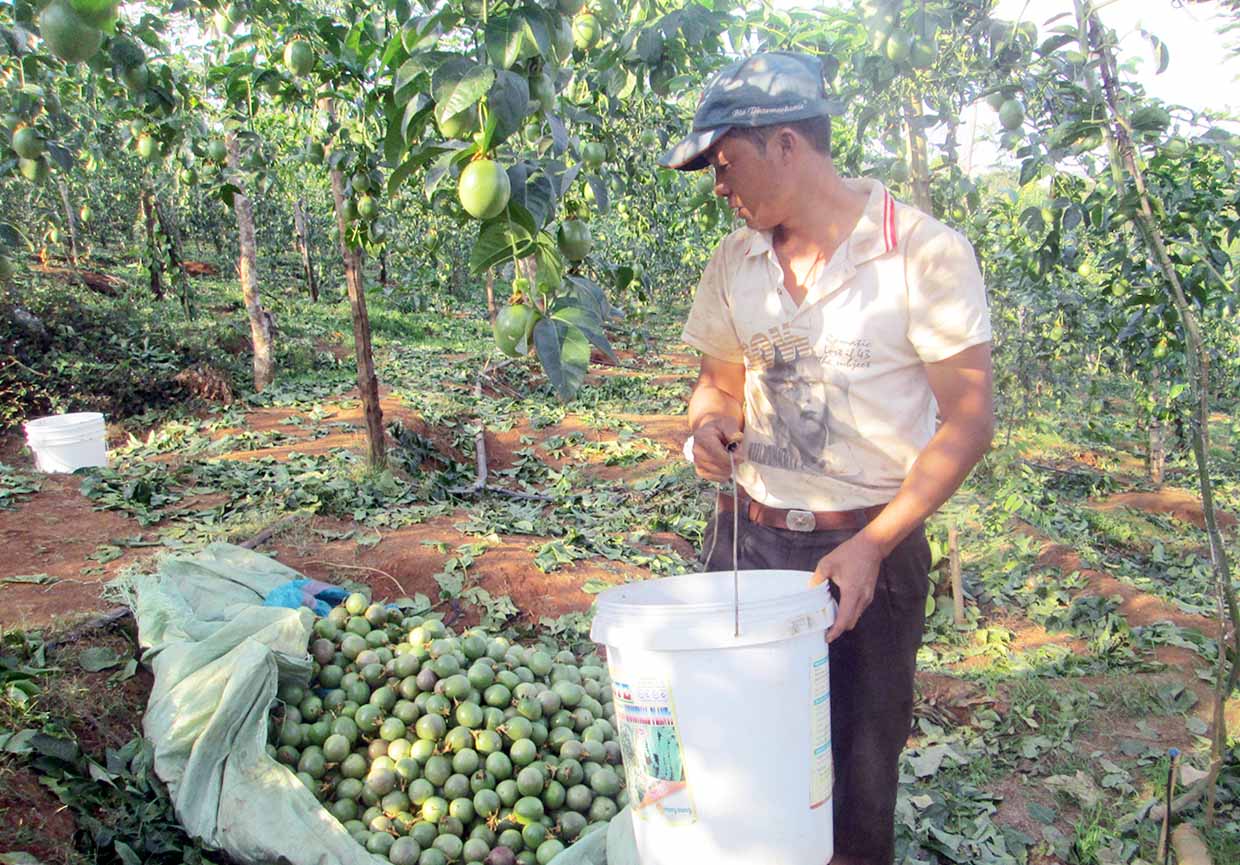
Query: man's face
(748, 178)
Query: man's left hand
(853, 568)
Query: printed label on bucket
(820, 766)
(653, 755)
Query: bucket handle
(736, 527)
(736, 519)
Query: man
(833, 327)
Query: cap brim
(689, 154)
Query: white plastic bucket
(67, 442)
(726, 739)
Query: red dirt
(200, 268)
(112, 720)
(1138, 609)
(1026, 637)
(35, 822)
(53, 533)
(945, 697)
(1016, 792)
(1180, 504)
(99, 282)
(1136, 606)
(669, 431)
(406, 560)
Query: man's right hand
(710, 449)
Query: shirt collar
(874, 235)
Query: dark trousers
(871, 672)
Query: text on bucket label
(820, 771)
(653, 756)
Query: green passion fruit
(434, 749)
(69, 36)
(514, 325)
(484, 189)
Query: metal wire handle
(736, 525)
(736, 531)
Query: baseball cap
(760, 90)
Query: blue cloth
(316, 595)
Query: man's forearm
(939, 471)
(710, 402)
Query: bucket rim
(73, 439)
(59, 422)
(646, 610)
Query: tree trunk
(261, 323)
(303, 246)
(919, 163)
(492, 311)
(70, 223)
(172, 231)
(1157, 457)
(155, 260)
(367, 383)
(383, 273)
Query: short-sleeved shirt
(837, 402)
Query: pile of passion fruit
(434, 748)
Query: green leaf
(126, 854)
(125, 673)
(1029, 170)
(450, 582)
(98, 658)
(587, 322)
(591, 294)
(509, 236)
(538, 25)
(31, 579)
(19, 742)
(649, 47)
(507, 103)
(394, 53)
(414, 110)
(564, 352)
(227, 192)
(537, 196)
(599, 187)
(65, 750)
(420, 65)
(394, 141)
(1032, 219)
(458, 84)
(11, 237)
(19, 858)
(400, 175)
(1160, 51)
(505, 38)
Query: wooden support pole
(953, 560)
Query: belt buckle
(800, 521)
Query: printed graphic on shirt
(779, 341)
(803, 420)
(847, 353)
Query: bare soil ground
(57, 530)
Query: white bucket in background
(726, 740)
(67, 442)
